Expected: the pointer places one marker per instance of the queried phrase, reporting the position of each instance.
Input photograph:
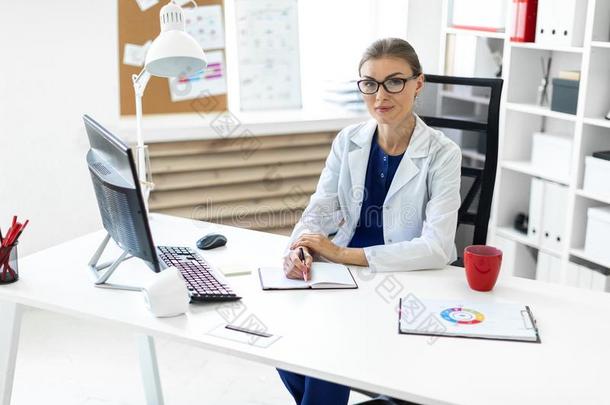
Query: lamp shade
(174, 52)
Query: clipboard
(431, 323)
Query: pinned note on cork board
(139, 24)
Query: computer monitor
(119, 198)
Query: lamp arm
(139, 86)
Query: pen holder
(8, 264)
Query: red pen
(27, 221)
(8, 241)
(12, 233)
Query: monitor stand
(101, 278)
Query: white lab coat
(421, 207)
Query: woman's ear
(419, 85)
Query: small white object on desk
(229, 270)
(166, 295)
(253, 337)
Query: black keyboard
(200, 281)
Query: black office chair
(468, 109)
(456, 106)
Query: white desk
(348, 336)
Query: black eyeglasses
(393, 85)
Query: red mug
(482, 264)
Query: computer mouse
(211, 241)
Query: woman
(389, 192)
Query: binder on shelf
(554, 269)
(548, 268)
(585, 277)
(535, 210)
(518, 260)
(588, 275)
(561, 22)
(554, 215)
(600, 280)
(573, 274)
(543, 21)
(543, 267)
(523, 27)
(525, 262)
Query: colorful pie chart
(462, 316)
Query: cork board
(137, 27)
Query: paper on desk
(220, 331)
(234, 269)
(211, 81)
(134, 55)
(146, 4)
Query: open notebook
(323, 276)
(501, 321)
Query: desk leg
(10, 325)
(150, 370)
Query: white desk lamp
(174, 53)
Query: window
(335, 33)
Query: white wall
(59, 60)
(335, 33)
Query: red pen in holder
(8, 264)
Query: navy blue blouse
(379, 174)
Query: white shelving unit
(537, 110)
(456, 102)
(520, 117)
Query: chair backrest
(468, 111)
